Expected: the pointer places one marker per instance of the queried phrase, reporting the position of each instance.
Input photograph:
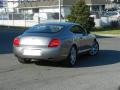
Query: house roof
(27, 4)
(51, 3)
(96, 2)
(69, 2)
(32, 4)
(45, 3)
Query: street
(100, 72)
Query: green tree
(80, 13)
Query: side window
(78, 30)
(75, 29)
(82, 30)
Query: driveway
(100, 72)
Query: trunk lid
(36, 39)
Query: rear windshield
(45, 29)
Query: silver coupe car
(54, 42)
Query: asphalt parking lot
(100, 72)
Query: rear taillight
(54, 43)
(16, 42)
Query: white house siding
(66, 11)
(11, 4)
(51, 10)
(28, 11)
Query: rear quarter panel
(91, 39)
(67, 40)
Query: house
(96, 5)
(49, 9)
(8, 5)
(2, 5)
(30, 12)
(113, 4)
(11, 5)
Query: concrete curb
(108, 35)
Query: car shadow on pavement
(104, 57)
(6, 39)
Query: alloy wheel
(94, 49)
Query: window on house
(36, 10)
(43, 0)
(95, 8)
(54, 16)
(1, 3)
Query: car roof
(61, 23)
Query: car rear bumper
(50, 54)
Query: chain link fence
(11, 13)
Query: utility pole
(59, 10)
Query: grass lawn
(107, 31)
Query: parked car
(113, 15)
(54, 42)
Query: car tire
(94, 48)
(72, 57)
(24, 61)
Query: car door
(78, 37)
(86, 38)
